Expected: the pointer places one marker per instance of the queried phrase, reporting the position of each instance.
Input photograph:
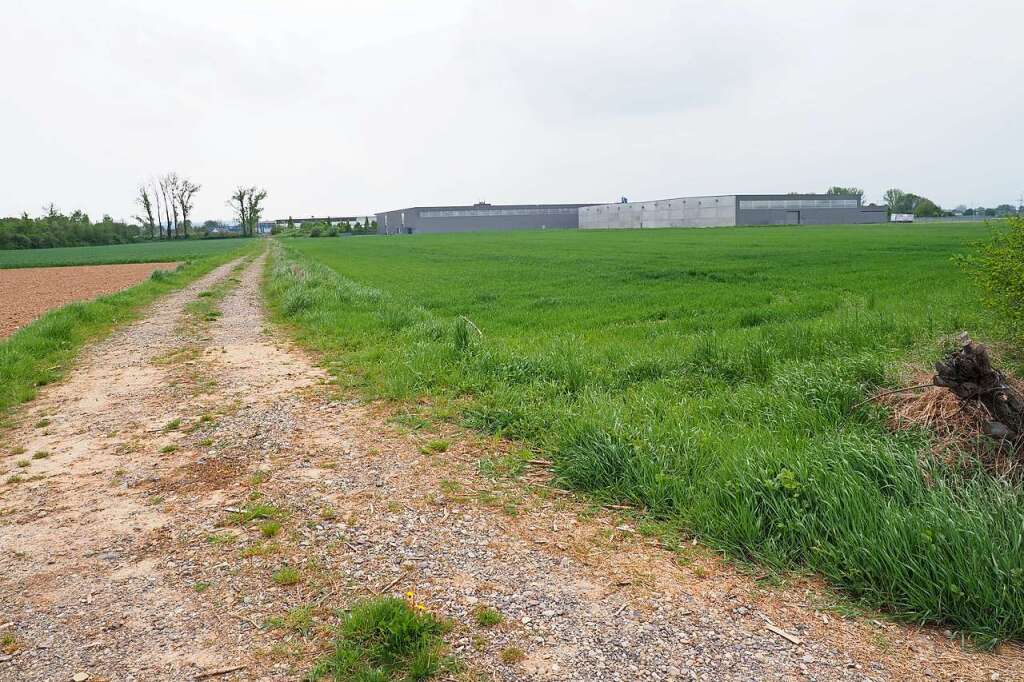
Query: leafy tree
(998, 269)
(56, 229)
(247, 202)
(838, 190)
(926, 208)
(894, 198)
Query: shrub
(315, 232)
(998, 269)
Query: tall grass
(708, 376)
(41, 352)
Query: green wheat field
(146, 252)
(709, 377)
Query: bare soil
(27, 293)
(122, 556)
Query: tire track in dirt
(364, 508)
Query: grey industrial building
(482, 216)
(733, 209)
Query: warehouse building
(737, 209)
(482, 216)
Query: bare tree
(147, 205)
(169, 188)
(184, 191)
(159, 216)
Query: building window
(484, 212)
(797, 204)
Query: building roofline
(737, 196)
(457, 207)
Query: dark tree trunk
(969, 374)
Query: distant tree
(291, 223)
(894, 199)
(990, 212)
(1005, 210)
(837, 190)
(146, 203)
(53, 228)
(899, 201)
(256, 197)
(967, 211)
(168, 184)
(926, 208)
(247, 203)
(184, 192)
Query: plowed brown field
(27, 293)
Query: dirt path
(122, 555)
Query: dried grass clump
(957, 427)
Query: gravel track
(121, 559)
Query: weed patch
(386, 639)
(286, 576)
(487, 617)
(254, 512)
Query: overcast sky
(355, 107)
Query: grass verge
(732, 419)
(41, 352)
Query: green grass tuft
(434, 447)
(286, 575)
(486, 617)
(255, 512)
(386, 639)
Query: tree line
(54, 228)
(165, 204)
(323, 228)
(899, 201)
